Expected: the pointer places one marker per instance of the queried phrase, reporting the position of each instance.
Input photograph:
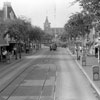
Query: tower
(47, 26)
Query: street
(47, 75)
(71, 83)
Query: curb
(86, 75)
(18, 60)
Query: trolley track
(30, 68)
(18, 63)
(44, 83)
(54, 93)
(10, 68)
(11, 82)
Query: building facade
(7, 13)
(52, 30)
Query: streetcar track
(54, 91)
(44, 84)
(15, 78)
(46, 79)
(19, 84)
(17, 64)
(15, 75)
(21, 73)
(9, 82)
(45, 60)
(9, 65)
(11, 69)
(22, 81)
(51, 54)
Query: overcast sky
(58, 11)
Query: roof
(10, 13)
(47, 21)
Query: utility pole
(55, 17)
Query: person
(15, 52)
(4, 53)
(27, 49)
(75, 49)
(19, 51)
(8, 57)
(80, 49)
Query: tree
(64, 37)
(17, 29)
(79, 24)
(35, 34)
(47, 38)
(91, 7)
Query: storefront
(3, 45)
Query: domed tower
(47, 25)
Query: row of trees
(21, 30)
(79, 24)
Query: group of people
(6, 55)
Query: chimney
(6, 4)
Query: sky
(58, 11)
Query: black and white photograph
(49, 50)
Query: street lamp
(77, 48)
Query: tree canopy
(91, 7)
(22, 30)
(79, 24)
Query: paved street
(49, 50)
(90, 61)
(71, 83)
(51, 75)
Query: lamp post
(77, 52)
(19, 47)
(77, 48)
(98, 53)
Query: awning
(12, 41)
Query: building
(55, 31)
(7, 13)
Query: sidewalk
(90, 61)
(14, 61)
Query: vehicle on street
(53, 46)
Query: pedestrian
(80, 49)
(4, 53)
(8, 57)
(14, 50)
(15, 53)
